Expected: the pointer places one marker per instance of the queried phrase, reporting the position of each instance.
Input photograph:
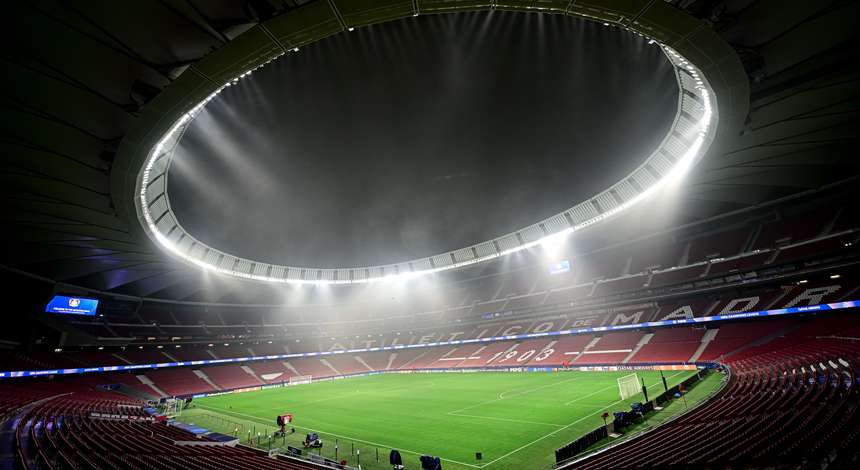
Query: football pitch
(515, 420)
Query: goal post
(173, 407)
(628, 386)
(301, 379)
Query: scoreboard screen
(72, 305)
(560, 267)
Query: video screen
(560, 267)
(72, 305)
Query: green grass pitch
(516, 420)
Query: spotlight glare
(552, 243)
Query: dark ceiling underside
(415, 137)
(76, 75)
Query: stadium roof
(81, 77)
(411, 138)
(702, 95)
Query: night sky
(406, 139)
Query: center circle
(415, 137)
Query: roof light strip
(702, 136)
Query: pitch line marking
(550, 434)
(338, 397)
(590, 394)
(502, 395)
(563, 428)
(260, 420)
(451, 413)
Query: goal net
(301, 379)
(173, 407)
(628, 386)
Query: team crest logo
(74, 302)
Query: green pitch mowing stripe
(516, 420)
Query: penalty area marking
(338, 397)
(260, 420)
(506, 419)
(563, 428)
(357, 391)
(502, 395)
(610, 387)
(590, 394)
